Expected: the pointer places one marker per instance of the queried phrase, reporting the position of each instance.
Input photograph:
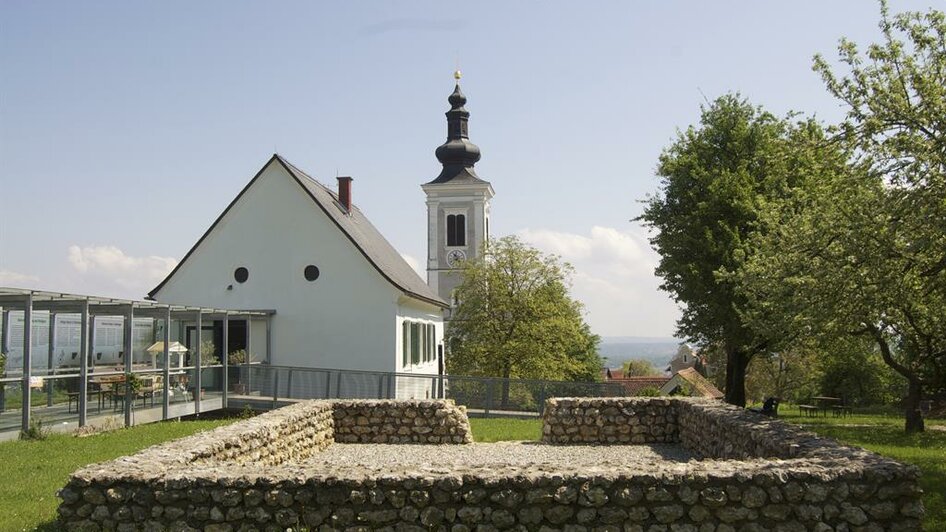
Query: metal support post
(91, 347)
(5, 333)
(269, 339)
(249, 355)
(50, 351)
(166, 355)
(489, 397)
(328, 384)
(27, 359)
(275, 387)
(4, 349)
(225, 357)
(84, 363)
(127, 338)
(289, 385)
(197, 381)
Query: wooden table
(826, 403)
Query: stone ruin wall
(399, 422)
(824, 487)
(722, 431)
(299, 433)
(606, 421)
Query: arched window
(456, 230)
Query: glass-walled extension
(68, 361)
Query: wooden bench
(808, 410)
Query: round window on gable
(311, 272)
(241, 274)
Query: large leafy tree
(846, 263)
(717, 179)
(515, 319)
(864, 252)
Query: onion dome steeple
(458, 155)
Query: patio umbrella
(174, 347)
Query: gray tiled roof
(367, 239)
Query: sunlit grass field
(34, 469)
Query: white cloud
(108, 270)
(614, 278)
(17, 280)
(415, 264)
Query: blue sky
(127, 127)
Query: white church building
(343, 296)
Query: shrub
(649, 391)
(36, 430)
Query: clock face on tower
(455, 257)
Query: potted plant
(208, 358)
(236, 358)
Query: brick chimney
(344, 192)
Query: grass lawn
(505, 429)
(34, 470)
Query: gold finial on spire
(457, 75)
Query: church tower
(457, 203)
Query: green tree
(789, 375)
(717, 179)
(864, 252)
(896, 100)
(856, 372)
(515, 319)
(639, 368)
(846, 263)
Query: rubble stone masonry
(755, 474)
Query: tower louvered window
(456, 230)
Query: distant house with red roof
(687, 380)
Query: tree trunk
(911, 403)
(736, 362)
(505, 396)
(911, 407)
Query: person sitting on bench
(769, 407)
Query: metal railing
(111, 395)
(483, 396)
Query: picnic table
(834, 404)
(823, 404)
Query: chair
(105, 393)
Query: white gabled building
(343, 297)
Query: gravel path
(530, 456)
